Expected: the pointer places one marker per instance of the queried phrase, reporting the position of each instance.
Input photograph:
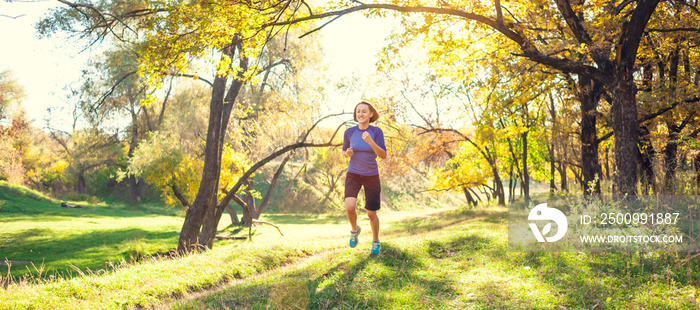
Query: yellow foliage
(164, 164)
(193, 30)
(233, 165)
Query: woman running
(363, 143)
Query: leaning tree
(215, 43)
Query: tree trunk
(497, 182)
(646, 149)
(511, 185)
(624, 102)
(607, 163)
(141, 185)
(492, 159)
(134, 187)
(82, 184)
(498, 185)
(671, 152)
(552, 170)
(271, 188)
(210, 222)
(552, 166)
(526, 175)
(625, 128)
(250, 202)
(232, 213)
(562, 169)
(589, 93)
(577, 174)
(646, 161)
(474, 194)
(696, 163)
(206, 196)
(470, 200)
(486, 193)
(671, 158)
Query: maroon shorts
(373, 189)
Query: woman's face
(363, 114)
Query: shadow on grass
(353, 281)
(233, 229)
(609, 280)
(304, 219)
(569, 280)
(396, 279)
(90, 250)
(392, 279)
(464, 267)
(443, 219)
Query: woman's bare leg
(350, 209)
(374, 222)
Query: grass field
(436, 259)
(457, 259)
(36, 230)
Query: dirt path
(190, 296)
(168, 304)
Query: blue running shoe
(353, 236)
(375, 248)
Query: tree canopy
(480, 97)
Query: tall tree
(668, 89)
(556, 35)
(589, 93)
(167, 36)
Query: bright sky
(47, 67)
(43, 67)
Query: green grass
(433, 259)
(459, 260)
(37, 234)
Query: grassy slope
(453, 260)
(37, 229)
(446, 260)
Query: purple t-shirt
(363, 160)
